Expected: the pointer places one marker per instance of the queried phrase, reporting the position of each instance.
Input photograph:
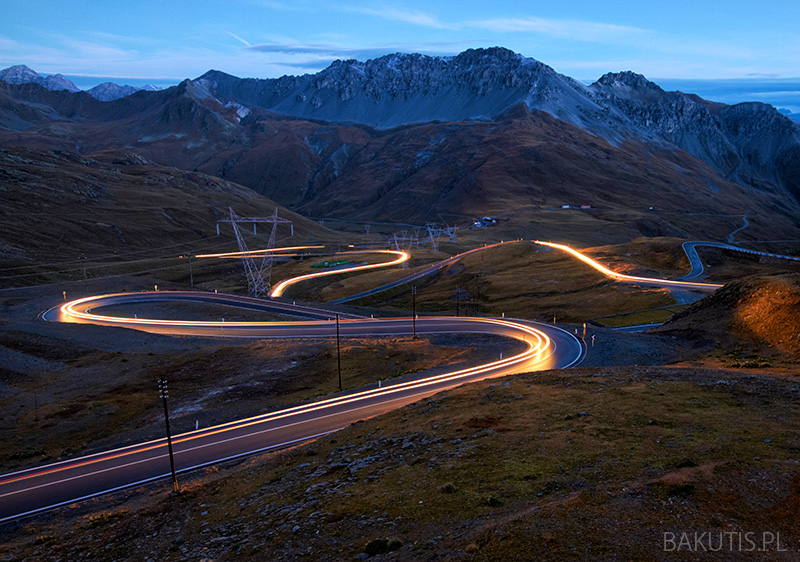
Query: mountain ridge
(479, 84)
(617, 132)
(107, 91)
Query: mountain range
(107, 91)
(417, 138)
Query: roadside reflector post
(162, 390)
(414, 311)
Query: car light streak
(628, 278)
(538, 353)
(256, 253)
(402, 256)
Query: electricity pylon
(259, 276)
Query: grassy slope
(755, 316)
(519, 279)
(58, 206)
(591, 464)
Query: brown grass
(517, 279)
(745, 319)
(592, 464)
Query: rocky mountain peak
(627, 82)
(59, 82)
(21, 74)
(109, 91)
(491, 55)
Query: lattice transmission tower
(259, 276)
(404, 242)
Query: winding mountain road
(41, 488)
(697, 264)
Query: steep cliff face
(411, 88)
(750, 143)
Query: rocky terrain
(751, 143)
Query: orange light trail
(627, 278)
(402, 256)
(256, 252)
(538, 353)
(539, 350)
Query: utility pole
(338, 353)
(458, 298)
(162, 390)
(191, 277)
(83, 257)
(414, 311)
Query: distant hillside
(513, 135)
(751, 143)
(61, 205)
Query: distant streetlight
(162, 391)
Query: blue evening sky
(165, 41)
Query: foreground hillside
(591, 464)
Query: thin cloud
(564, 29)
(239, 39)
(415, 17)
(333, 51)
